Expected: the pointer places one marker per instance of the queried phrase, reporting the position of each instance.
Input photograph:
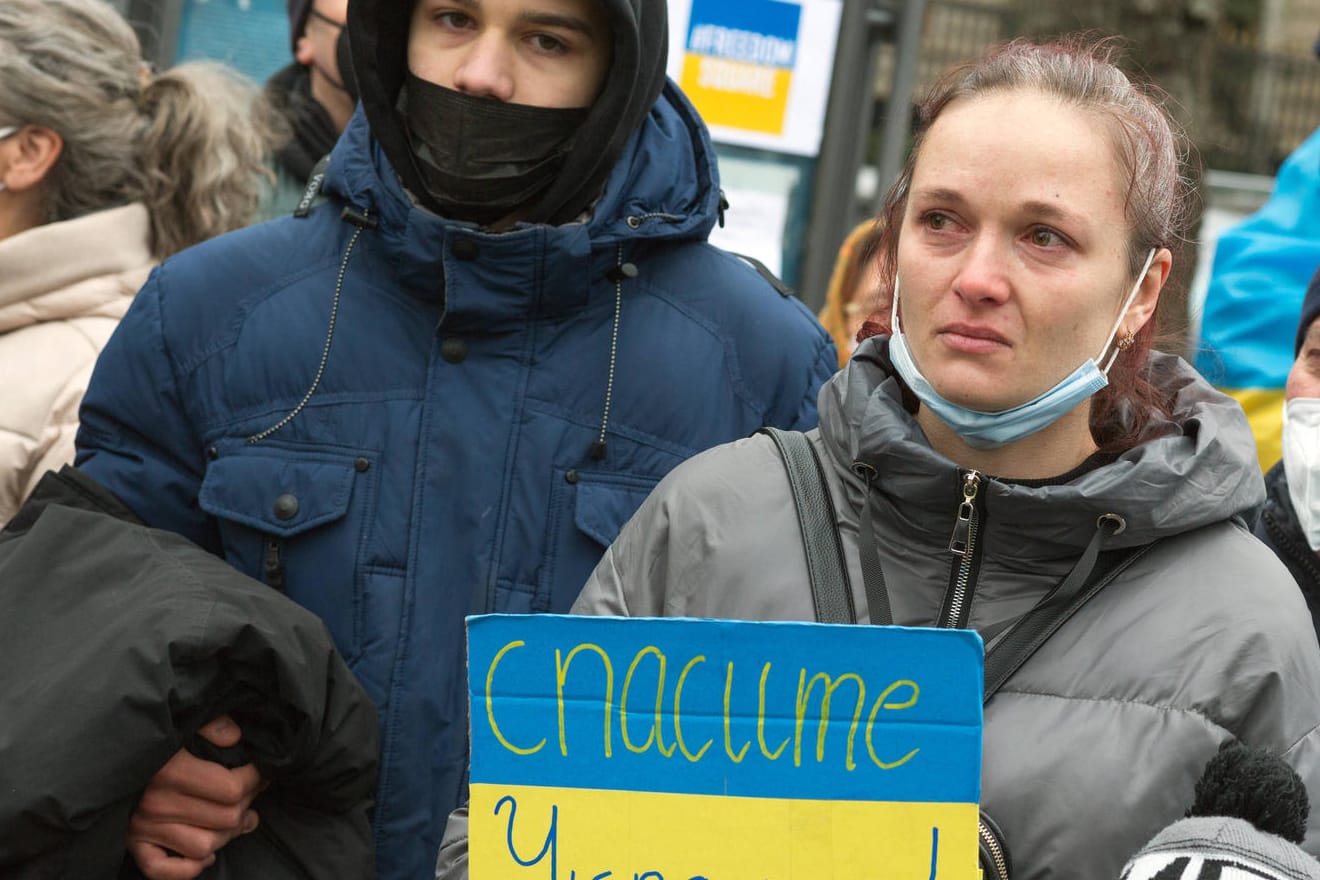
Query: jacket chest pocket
(587, 510)
(298, 521)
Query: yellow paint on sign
(735, 94)
(584, 833)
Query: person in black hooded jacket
(1289, 523)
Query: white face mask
(1301, 463)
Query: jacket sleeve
(15, 448)
(694, 546)
(826, 363)
(1305, 759)
(28, 451)
(1271, 695)
(632, 578)
(135, 436)
(452, 861)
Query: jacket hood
(664, 187)
(1196, 468)
(378, 36)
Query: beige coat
(63, 288)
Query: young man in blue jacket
(444, 389)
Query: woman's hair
(190, 143)
(1152, 152)
(852, 276)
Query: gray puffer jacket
(1095, 744)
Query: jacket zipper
(962, 544)
(990, 844)
(273, 564)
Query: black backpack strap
(831, 590)
(764, 271)
(1007, 653)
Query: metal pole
(846, 126)
(157, 24)
(898, 109)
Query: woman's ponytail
(207, 133)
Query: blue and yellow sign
(738, 73)
(721, 750)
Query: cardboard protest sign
(680, 749)
(758, 70)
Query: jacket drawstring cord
(620, 271)
(873, 574)
(362, 220)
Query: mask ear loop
(1141, 276)
(893, 309)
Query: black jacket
(117, 642)
(1279, 529)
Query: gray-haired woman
(105, 169)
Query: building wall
(1291, 27)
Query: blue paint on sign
(760, 32)
(706, 707)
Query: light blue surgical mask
(990, 430)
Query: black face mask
(481, 159)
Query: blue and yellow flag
(682, 749)
(1259, 276)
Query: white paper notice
(754, 226)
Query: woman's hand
(192, 808)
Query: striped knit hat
(1250, 814)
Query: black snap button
(629, 270)
(212, 453)
(453, 350)
(466, 249)
(286, 507)
(623, 272)
(361, 465)
(571, 476)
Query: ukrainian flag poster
(682, 749)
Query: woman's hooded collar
(1196, 468)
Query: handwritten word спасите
(895, 696)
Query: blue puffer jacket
(442, 464)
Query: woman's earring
(1126, 340)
